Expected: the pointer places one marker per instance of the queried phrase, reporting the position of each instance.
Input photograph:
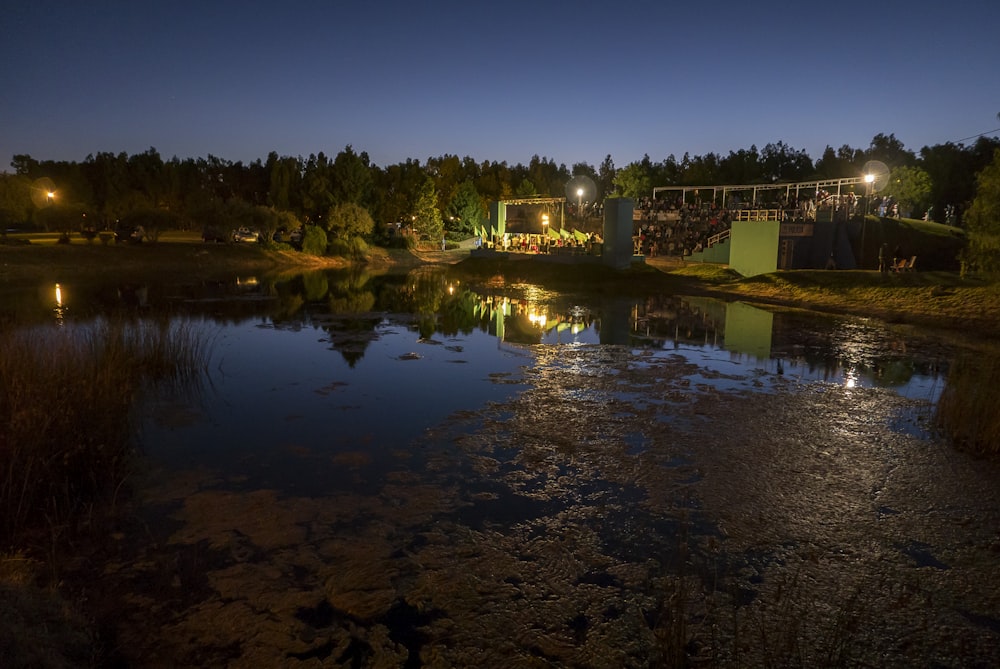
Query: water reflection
(505, 457)
(352, 308)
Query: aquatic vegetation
(969, 409)
(66, 406)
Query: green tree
(284, 181)
(15, 200)
(743, 166)
(890, 151)
(526, 189)
(351, 176)
(465, 211)
(314, 241)
(268, 220)
(840, 164)
(781, 162)
(317, 194)
(606, 178)
(348, 220)
(427, 223)
(910, 186)
(396, 190)
(982, 220)
(634, 180)
(953, 169)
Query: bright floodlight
(51, 194)
(869, 178)
(579, 192)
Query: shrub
(314, 241)
(339, 247)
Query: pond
(424, 470)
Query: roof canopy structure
(833, 186)
(534, 200)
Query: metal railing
(717, 238)
(758, 215)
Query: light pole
(870, 181)
(579, 202)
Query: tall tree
(605, 177)
(351, 175)
(634, 180)
(427, 223)
(317, 194)
(781, 162)
(285, 175)
(911, 187)
(465, 212)
(953, 169)
(890, 151)
(525, 189)
(15, 200)
(347, 220)
(983, 220)
(742, 167)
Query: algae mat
(623, 511)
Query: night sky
(496, 81)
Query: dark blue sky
(496, 81)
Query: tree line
(346, 195)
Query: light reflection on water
(322, 385)
(338, 362)
(369, 421)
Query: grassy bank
(938, 299)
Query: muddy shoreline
(648, 522)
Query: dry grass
(66, 398)
(969, 409)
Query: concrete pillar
(618, 248)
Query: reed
(969, 409)
(68, 399)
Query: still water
(307, 372)
(421, 470)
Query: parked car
(284, 235)
(130, 234)
(245, 235)
(211, 234)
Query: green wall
(754, 247)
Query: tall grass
(67, 405)
(969, 408)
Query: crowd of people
(675, 228)
(678, 228)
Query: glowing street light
(870, 180)
(579, 202)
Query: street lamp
(579, 202)
(870, 180)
